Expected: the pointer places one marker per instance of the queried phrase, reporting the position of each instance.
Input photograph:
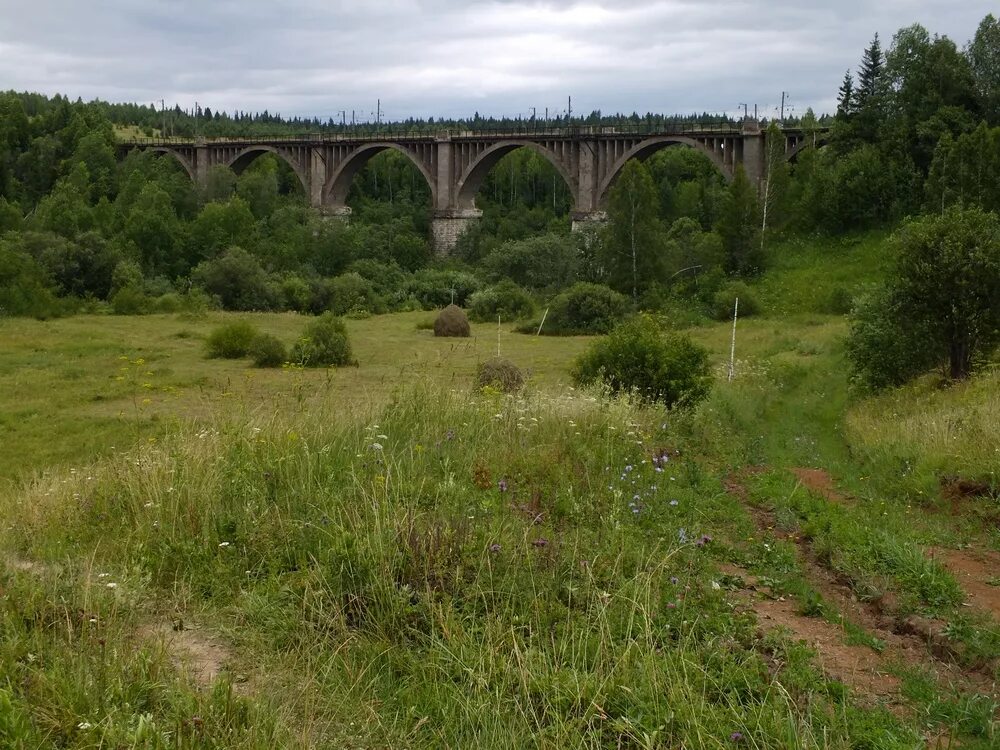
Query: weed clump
(267, 350)
(724, 301)
(500, 373)
(324, 343)
(231, 341)
(638, 357)
(452, 321)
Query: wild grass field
(198, 553)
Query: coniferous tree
(869, 75)
(845, 97)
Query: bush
(638, 357)
(452, 321)
(501, 374)
(544, 262)
(585, 309)
(505, 299)
(324, 343)
(238, 280)
(725, 298)
(25, 289)
(231, 341)
(131, 300)
(267, 351)
(351, 291)
(435, 288)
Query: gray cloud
(450, 58)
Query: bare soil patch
(977, 572)
(200, 655)
(819, 482)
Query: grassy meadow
(199, 553)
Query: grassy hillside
(382, 557)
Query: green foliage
(963, 172)
(324, 343)
(232, 340)
(237, 279)
(942, 304)
(25, 289)
(131, 300)
(739, 226)
(632, 241)
(584, 309)
(984, 60)
(267, 350)
(352, 292)
(543, 262)
(639, 357)
(505, 299)
(724, 301)
(435, 289)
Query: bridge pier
(448, 224)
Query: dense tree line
(917, 130)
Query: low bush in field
(724, 301)
(436, 288)
(323, 344)
(267, 350)
(505, 299)
(639, 357)
(584, 309)
(131, 300)
(231, 341)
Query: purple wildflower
(673, 580)
(736, 736)
(449, 435)
(541, 542)
(502, 485)
(494, 548)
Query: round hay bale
(501, 374)
(452, 321)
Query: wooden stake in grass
(732, 351)
(498, 337)
(544, 316)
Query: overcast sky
(454, 57)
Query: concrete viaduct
(454, 164)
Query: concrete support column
(317, 177)
(447, 226)
(753, 158)
(444, 196)
(586, 177)
(341, 213)
(201, 165)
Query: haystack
(452, 321)
(500, 373)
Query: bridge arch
(245, 157)
(817, 141)
(338, 185)
(650, 146)
(184, 162)
(472, 179)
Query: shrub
(838, 302)
(267, 351)
(544, 262)
(505, 299)
(434, 288)
(131, 300)
(351, 291)
(452, 321)
(25, 289)
(238, 280)
(231, 341)
(324, 343)
(638, 357)
(725, 298)
(501, 374)
(584, 309)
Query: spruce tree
(845, 97)
(869, 75)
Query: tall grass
(447, 572)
